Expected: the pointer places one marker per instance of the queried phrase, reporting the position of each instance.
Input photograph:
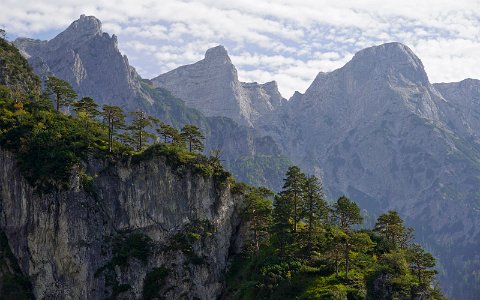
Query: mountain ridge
(212, 86)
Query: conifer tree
(282, 227)
(114, 119)
(390, 226)
(86, 106)
(293, 193)
(258, 212)
(315, 208)
(86, 110)
(347, 214)
(140, 136)
(168, 133)
(193, 136)
(421, 263)
(62, 91)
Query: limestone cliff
(69, 56)
(137, 227)
(212, 86)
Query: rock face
(212, 86)
(461, 107)
(65, 242)
(379, 132)
(69, 56)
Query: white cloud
(286, 40)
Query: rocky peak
(87, 58)
(393, 60)
(212, 86)
(85, 26)
(217, 54)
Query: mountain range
(375, 130)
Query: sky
(289, 41)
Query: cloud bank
(289, 41)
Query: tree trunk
(336, 267)
(294, 212)
(347, 260)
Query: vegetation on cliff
(50, 142)
(302, 247)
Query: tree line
(302, 246)
(136, 134)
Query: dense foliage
(301, 247)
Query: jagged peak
(271, 84)
(217, 53)
(79, 31)
(395, 52)
(86, 25)
(395, 60)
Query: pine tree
(421, 263)
(86, 106)
(293, 193)
(115, 119)
(390, 226)
(315, 208)
(62, 90)
(347, 214)
(258, 212)
(86, 110)
(282, 212)
(168, 133)
(140, 136)
(193, 136)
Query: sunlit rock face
(212, 86)
(89, 60)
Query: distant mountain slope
(462, 106)
(379, 132)
(90, 60)
(212, 86)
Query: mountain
(69, 57)
(378, 131)
(212, 86)
(90, 61)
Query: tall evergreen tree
(168, 133)
(421, 263)
(282, 212)
(390, 226)
(193, 136)
(347, 214)
(86, 106)
(258, 212)
(86, 110)
(140, 136)
(114, 118)
(62, 91)
(293, 193)
(315, 208)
